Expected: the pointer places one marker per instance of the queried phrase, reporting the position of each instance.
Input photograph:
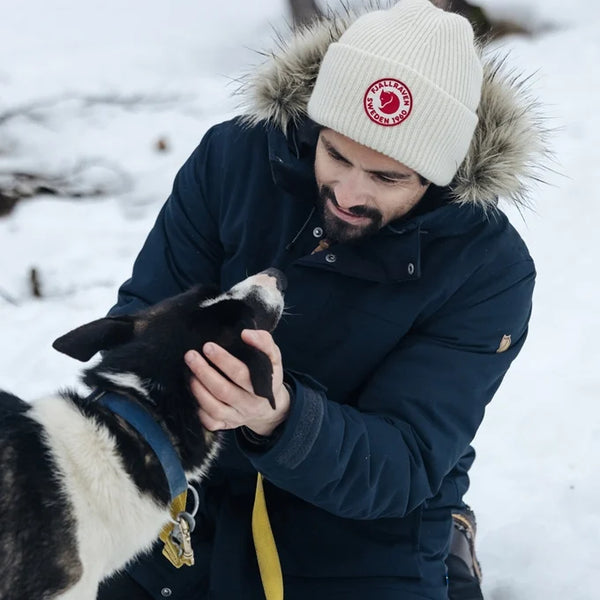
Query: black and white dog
(81, 490)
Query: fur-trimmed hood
(509, 147)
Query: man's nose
(350, 192)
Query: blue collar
(143, 422)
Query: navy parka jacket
(391, 347)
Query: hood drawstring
(301, 231)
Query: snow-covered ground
(93, 86)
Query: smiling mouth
(346, 216)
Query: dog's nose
(280, 278)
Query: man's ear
(103, 334)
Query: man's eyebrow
(392, 174)
(387, 174)
(333, 150)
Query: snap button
(411, 269)
(318, 232)
(330, 258)
(165, 592)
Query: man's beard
(337, 230)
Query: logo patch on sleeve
(505, 343)
(388, 102)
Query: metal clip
(186, 541)
(182, 539)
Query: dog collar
(143, 422)
(175, 534)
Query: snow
(100, 83)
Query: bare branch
(81, 181)
(30, 109)
(7, 298)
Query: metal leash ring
(189, 519)
(192, 513)
(194, 491)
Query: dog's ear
(82, 343)
(261, 371)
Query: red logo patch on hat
(388, 102)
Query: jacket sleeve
(415, 417)
(183, 247)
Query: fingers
(263, 340)
(223, 388)
(222, 403)
(211, 423)
(214, 414)
(234, 369)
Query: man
(374, 187)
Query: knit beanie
(405, 82)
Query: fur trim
(509, 149)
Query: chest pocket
(340, 334)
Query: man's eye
(385, 179)
(337, 157)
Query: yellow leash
(264, 544)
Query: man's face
(361, 190)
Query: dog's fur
(81, 493)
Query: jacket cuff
(299, 431)
(255, 440)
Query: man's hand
(226, 404)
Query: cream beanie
(405, 82)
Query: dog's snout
(280, 278)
